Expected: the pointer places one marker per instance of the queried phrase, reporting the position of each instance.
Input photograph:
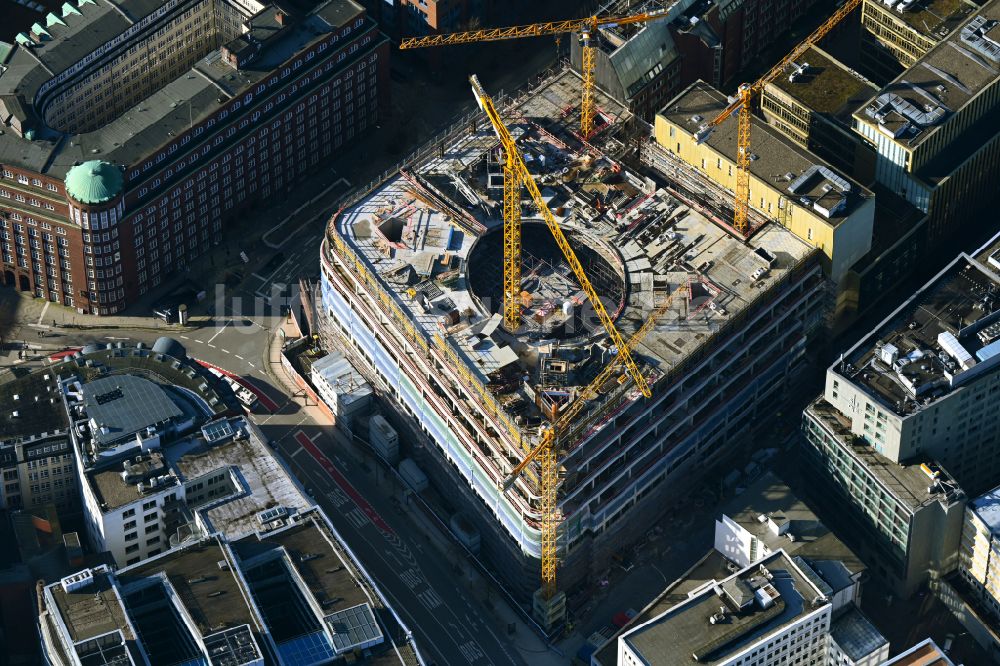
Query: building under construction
(412, 279)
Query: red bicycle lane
(342, 481)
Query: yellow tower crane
(745, 96)
(515, 169)
(587, 27)
(547, 455)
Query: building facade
(904, 520)
(36, 453)
(771, 613)
(895, 34)
(904, 427)
(934, 127)
(100, 205)
(235, 601)
(979, 554)
(787, 184)
(630, 455)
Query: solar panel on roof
(217, 430)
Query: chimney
(280, 18)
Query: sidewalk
(528, 643)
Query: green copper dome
(94, 182)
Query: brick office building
(131, 133)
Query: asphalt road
(450, 625)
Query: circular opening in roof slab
(553, 303)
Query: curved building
(132, 131)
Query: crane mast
(745, 97)
(547, 455)
(513, 156)
(587, 27)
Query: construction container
(341, 387)
(465, 532)
(413, 475)
(383, 438)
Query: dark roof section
(686, 633)
(38, 405)
(123, 405)
(164, 114)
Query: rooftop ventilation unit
(77, 581)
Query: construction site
(415, 279)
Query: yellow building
(787, 183)
(936, 127)
(812, 105)
(897, 33)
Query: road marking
(411, 578)
(185, 337)
(356, 518)
(342, 481)
(44, 309)
(239, 357)
(211, 345)
(431, 600)
(226, 351)
(471, 651)
(251, 365)
(219, 332)
(199, 341)
(455, 630)
(296, 452)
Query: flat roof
(769, 498)
(432, 235)
(164, 114)
(827, 86)
(686, 630)
(856, 635)
(774, 159)
(934, 18)
(307, 557)
(113, 492)
(938, 340)
(211, 595)
(908, 483)
(39, 406)
(710, 567)
(924, 653)
(92, 610)
(122, 405)
(987, 508)
(937, 87)
(263, 482)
